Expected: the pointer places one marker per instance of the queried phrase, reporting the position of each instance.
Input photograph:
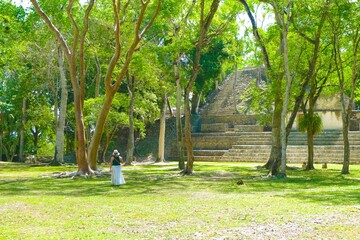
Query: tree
(116, 119)
(276, 85)
(75, 58)
(205, 22)
(60, 118)
(304, 55)
(346, 35)
(161, 149)
(176, 44)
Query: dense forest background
(77, 76)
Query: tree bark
(60, 126)
(22, 130)
(234, 88)
(275, 154)
(131, 137)
(195, 103)
(179, 129)
(98, 77)
(310, 133)
(284, 24)
(161, 150)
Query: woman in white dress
(115, 168)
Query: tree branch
(82, 46)
(74, 25)
(257, 34)
(53, 29)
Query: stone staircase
(230, 137)
(255, 146)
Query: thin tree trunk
(22, 130)
(60, 126)
(345, 130)
(179, 131)
(188, 144)
(234, 88)
(161, 150)
(275, 155)
(285, 25)
(131, 137)
(171, 112)
(106, 146)
(310, 129)
(98, 77)
(195, 103)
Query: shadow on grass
(319, 186)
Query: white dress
(117, 177)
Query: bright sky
(27, 3)
(24, 3)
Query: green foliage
(307, 120)
(257, 100)
(211, 65)
(115, 118)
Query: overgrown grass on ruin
(158, 203)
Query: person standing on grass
(115, 168)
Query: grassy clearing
(158, 203)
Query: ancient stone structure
(224, 135)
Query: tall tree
(60, 119)
(205, 22)
(75, 59)
(161, 149)
(276, 85)
(346, 35)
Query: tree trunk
(106, 146)
(98, 77)
(275, 155)
(195, 103)
(285, 104)
(131, 137)
(310, 129)
(234, 88)
(36, 134)
(60, 126)
(171, 112)
(80, 140)
(22, 130)
(179, 132)
(161, 150)
(346, 164)
(188, 144)
(274, 161)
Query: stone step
(248, 128)
(209, 152)
(232, 119)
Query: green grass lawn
(158, 203)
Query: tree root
(74, 175)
